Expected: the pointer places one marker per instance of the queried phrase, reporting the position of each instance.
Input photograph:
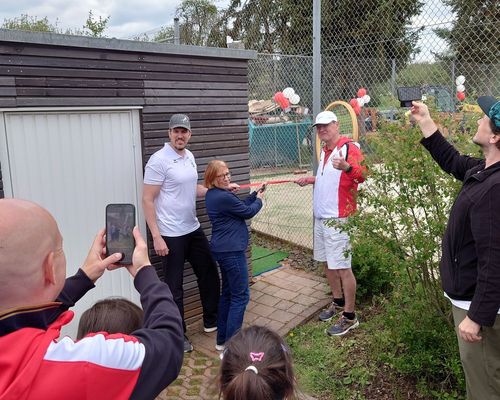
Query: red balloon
(461, 96)
(277, 96)
(357, 109)
(353, 103)
(361, 92)
(284, 102)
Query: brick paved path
(280, 299)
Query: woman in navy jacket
(229, 242)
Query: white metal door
(74, 162)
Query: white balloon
(460, 88)
(366, 98)
(295, 99)
(288, 92)
(360, 101)
(460, 80)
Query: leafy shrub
(418, 341)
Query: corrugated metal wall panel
(74, 163)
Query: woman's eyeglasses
(223, 176)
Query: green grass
(330, 367)
(264, 259)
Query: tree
(29, 23)
(197, 20)
(474, 43)
(93, 27)
(359, 38)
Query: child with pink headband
(256, 365)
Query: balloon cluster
(286, 97)
(360, 101)
(460, 87)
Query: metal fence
(376, 45)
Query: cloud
(127, 17)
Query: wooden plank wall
(212, 91)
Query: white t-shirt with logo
(175, 205)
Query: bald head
(30, 245)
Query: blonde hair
(213, 169)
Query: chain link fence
(373, 44)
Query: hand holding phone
(262, 188)
(408, 94)
(120, 221)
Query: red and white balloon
(362, 99)
(286, 97)
(459, 81)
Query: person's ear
(49, 272)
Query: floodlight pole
(316, 72)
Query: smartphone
(120, 221)
(408, 94)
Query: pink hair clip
(256, 356)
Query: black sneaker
(342, 326)
(328, 313)
(188, 347)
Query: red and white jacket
(335, 190)
(35, 365)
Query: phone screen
(120, 220)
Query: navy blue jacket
(470, 263)
(227, 214)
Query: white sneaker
(209, 329)
(219, 347)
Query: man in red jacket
(340, 170)
(34, 298)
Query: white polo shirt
(175, 205)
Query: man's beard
(179, 145)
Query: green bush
(373, 267)
(418, 341)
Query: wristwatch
(349, 169)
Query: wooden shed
(80, 116)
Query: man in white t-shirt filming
(340, 170)
(169, 201)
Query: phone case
(120, 221)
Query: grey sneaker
(342, 326)
(188, 347)
(328, 313)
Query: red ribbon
(247, 185)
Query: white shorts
(331, 244)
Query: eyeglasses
(223, 176)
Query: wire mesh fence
(448, 49)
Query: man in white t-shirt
(169, 201)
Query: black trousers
(194, 248)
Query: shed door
(74, 163)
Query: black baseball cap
(491, 107)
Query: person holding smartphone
(38, 363)
(470, 257)
(228, 215)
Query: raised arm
(448, 158)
